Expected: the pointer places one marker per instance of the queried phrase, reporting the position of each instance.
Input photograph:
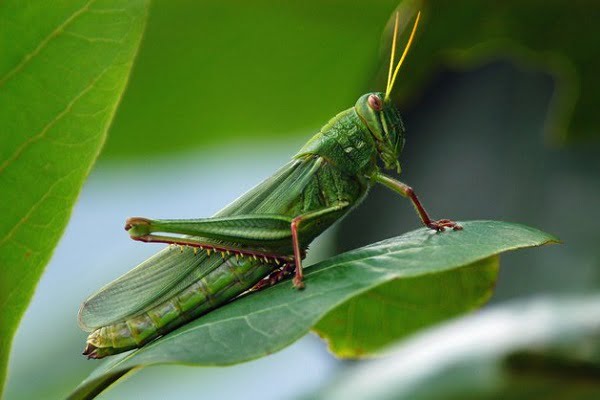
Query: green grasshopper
(259, 238)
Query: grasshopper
(259, 238)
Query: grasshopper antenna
(392, 77)
(392, 56)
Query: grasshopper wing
(159, 277)
(169, 271)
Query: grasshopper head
(383, 119)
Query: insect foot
(441, 224)
(298, 283)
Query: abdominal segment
(232, 278)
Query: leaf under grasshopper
(267, 321)
(62, 72)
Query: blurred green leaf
(244, 71)
(537, 349)
(395, 309)
(63, 69)
(265, 322)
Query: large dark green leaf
(545, 348)
(265, 322)
(63, 68)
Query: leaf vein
(28, 57)
(35, 206)
(92, 39)
(217, 339)
(254, 328)
(25, 277)
(50, 124)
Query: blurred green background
(223, 92)
(232, 73)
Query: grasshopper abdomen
(233, 277)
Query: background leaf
(395, 309)
(262, 323)
(62, 71)
(242, 72)
(530, 349)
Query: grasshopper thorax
(383, 120)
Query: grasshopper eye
(374, 102)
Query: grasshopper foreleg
(406, 191)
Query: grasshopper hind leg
(215, 235)
(253, 232)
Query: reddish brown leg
(439, 225)
(298, 276)
(406, 191)
(274, 277)
(294, 226)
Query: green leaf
(63, 68)
(536, 349)
(395, 309)
(265, 322)
(245, 71)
